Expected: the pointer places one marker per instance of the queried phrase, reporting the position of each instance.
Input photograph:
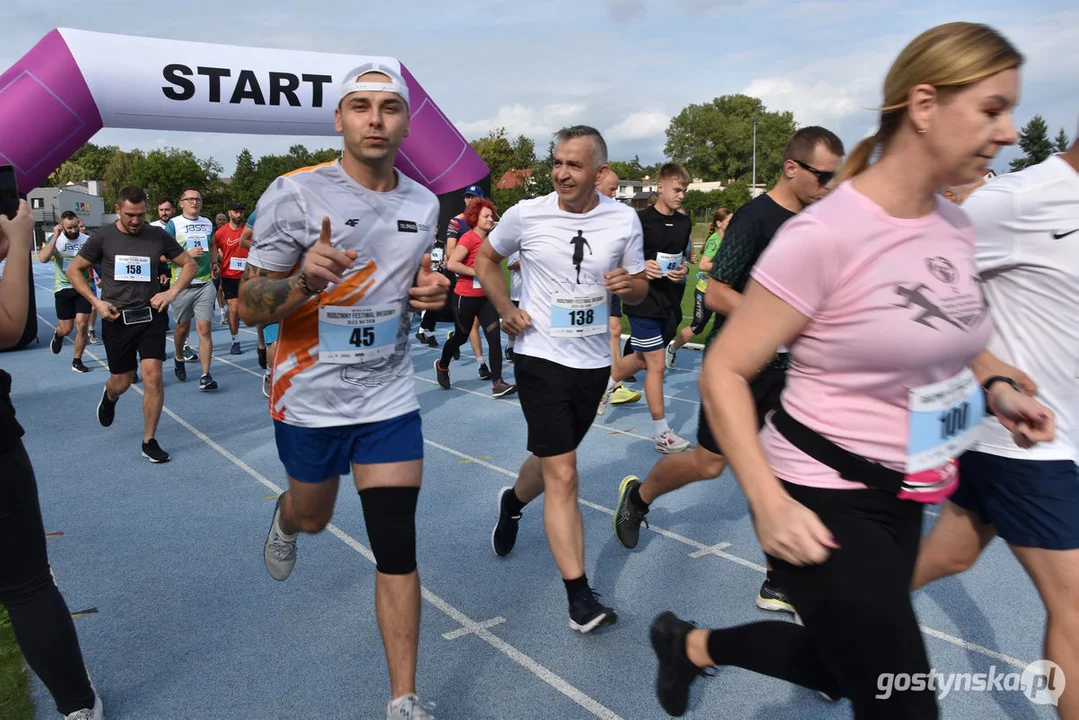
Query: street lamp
(754, 186)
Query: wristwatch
(987, 387)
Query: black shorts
(69, 304)
(123, 342)
(766, 389)
(230, 287)
(559, 402)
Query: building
(49, 203)
(515, 178)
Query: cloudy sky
(624, 66)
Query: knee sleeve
(390, 515)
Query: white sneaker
(266, 384)
(667, 442)
(97, 712)
(279, 552)
(603, 402)
(410, 708)
(669, 353)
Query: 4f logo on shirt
(352, 222)
(579, 243)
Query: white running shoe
(670, 353)
(97, 712)
(603, 403)
(279, 552)
(410, 707)
(667, 442)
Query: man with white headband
(340, 257)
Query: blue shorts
(269, 333)
(1033, 503)
(312, 455)
(646, 334)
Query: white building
(49, 203)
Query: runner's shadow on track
(955, 602)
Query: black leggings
(859, 621)
(467, 309)
(701, 313)
(39, 615)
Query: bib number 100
(582, 317)
(954, 421)
(362, 337)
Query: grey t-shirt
(129, 263)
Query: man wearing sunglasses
(810, 162)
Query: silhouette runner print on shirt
(579, 244)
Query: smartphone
(137, 316)
(9, 192)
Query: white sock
(510, 346)
(661, 426)
(479, 361)
(282, 532)
(610, 384)
(233, 338)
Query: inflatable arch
(74, 83)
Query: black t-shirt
(662, 234)
(137, 281)
(750, 231)
(10, 429)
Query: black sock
(575, 586)
(511, 504)
(635, 498)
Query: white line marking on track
(461, 632)
(468, 625)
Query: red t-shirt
(233, 256)
(467, 285)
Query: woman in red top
(470, 301)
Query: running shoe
(443, 376)
(603, 403)
(774, 598)
(410, 707)
(56, 344)
(504, 536)
(78, 367)
(180, 369)
(675, 673)
(189, 354)
(91, 337)
(669, 354)
(501, 389)
(207, 383)
(484, 372)
(106, 409)
(236, 349)
(153, 452)
(262, 357)
(279, 551)
(97, 712)
(667, 442)
(509, 355)
(432, 341)
(586, 613)
(266, 384)
(623, 395)
(627, 516)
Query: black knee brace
(390, 515)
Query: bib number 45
(362, 337)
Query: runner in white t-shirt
(72, 309)
(1027, 226)
(340, 258)
(576, 248)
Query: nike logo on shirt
(1059, 235)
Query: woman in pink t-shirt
(873, 290)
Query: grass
(14, 680)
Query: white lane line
(479, 629)
(461, 632)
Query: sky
(623, 66)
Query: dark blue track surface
(188, 623)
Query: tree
(118, 173)
(94, 159)
(1034, 140)
(242, 188)
(632, 170)
(1062, 142)
(69, 172)
(715, 140)
(502, 156)
(166, 172)
(541, 174)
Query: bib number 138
(582, 317)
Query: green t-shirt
(65, 251)
(191, 234)
(711, 247)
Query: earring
(921, 131)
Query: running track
(184, 622)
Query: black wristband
(987, 387)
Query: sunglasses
(822, 177)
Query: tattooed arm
(267, 296)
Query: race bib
(238, 264)
(944, 421)
(132, 268)
(65, 262)
(574, 316)
(350, 335)
(669, 262)
(476, 283)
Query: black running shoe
(106, 409)
(502, 389)
(676, 673)
(78, 367)
(56, 344)
(774, 598)
(586, 613)
(180, 369)
(207, 383)
(504, 536)
(484, 372)
(627, 516)
(262, 358)
(153, 452)
(442, 375)
(432, 341)
(509, 355)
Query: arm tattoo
(265, 294)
